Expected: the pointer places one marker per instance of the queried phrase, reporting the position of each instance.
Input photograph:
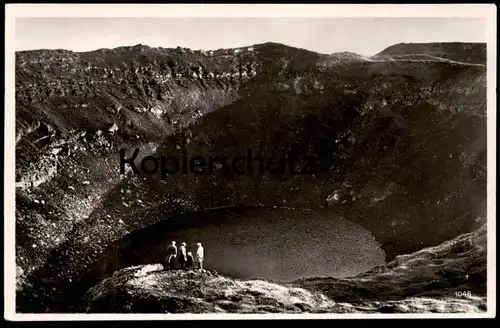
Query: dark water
(277, 244)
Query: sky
(365, 36)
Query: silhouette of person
(189, 261)
(182, 256)
(200, 255)
(172, 255)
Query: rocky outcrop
(457, 265)
(421, 282)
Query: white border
(486, 11)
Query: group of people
(183, 258)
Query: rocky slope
(421, 282)
(74, 110)
(472, 53)
(400, 145)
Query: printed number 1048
(463, 294)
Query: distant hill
(341, 58)
(457, 51)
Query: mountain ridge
(398, 48)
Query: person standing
(190, 261)
(182, 256)
(200, 255)
(171, 255)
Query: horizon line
(240, 47)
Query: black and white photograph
(213, 161)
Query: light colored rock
(113, 128)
